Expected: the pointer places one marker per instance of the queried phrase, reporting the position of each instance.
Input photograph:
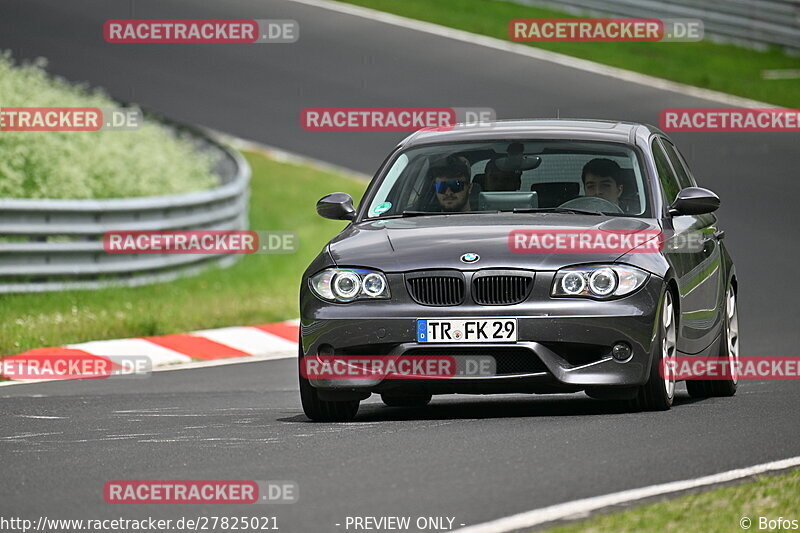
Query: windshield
(518, 176)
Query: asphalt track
(474, 459)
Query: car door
(697, 259)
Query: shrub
(149, 161)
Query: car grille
(439, 290)
(510, 360)
(501, 290)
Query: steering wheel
(592, 203)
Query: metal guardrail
(52, 245)
(755, 22)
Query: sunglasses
(454, 185)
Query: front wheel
(659, 391)
(320, 410)
(728, 350)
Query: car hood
(403, 244)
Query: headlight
(374, 285)
(573, 283)
(348, 284)
(602, 282)
(598, 281)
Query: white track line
(581, 507)
(536, 53)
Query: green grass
(257, 289)
(726, 68)
(88, 164)
(718, 510)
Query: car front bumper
(564, 344)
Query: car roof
(573, 129)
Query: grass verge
(726, 68)
(719, 510)
(256, 290)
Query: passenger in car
(601, 178)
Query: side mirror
(336, 206)
(694, 201)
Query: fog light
(325, 349)
(621, 351)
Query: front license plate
(467, 330)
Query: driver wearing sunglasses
(452, 185)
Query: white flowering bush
(92, 164)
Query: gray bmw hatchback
(555, 255)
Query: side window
(388, 187)
(669, 184)
(678, 164)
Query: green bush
(92, 164)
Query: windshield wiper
(556, 210)
(431, 213)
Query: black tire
(728, 349)
(322, 410)
(657, 394)
(406, 401)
